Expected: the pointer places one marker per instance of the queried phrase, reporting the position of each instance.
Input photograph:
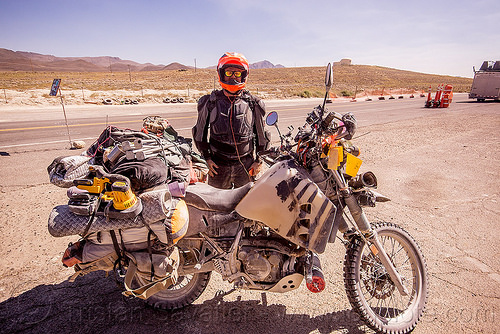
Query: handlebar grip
(328, 119)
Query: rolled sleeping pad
(156, 206)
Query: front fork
(368, 233)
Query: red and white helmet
(232, 59)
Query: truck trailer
(486, 84)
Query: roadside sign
(53, 92)
(55, 87)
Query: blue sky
(425, 36)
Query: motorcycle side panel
(289, 202)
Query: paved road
(35, 134)
(33, 128)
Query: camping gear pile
(125, 200)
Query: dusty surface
(442, 173)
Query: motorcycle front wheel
(370, 290)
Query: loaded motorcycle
(267, 235)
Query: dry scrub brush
(277, 82)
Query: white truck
(486, 84)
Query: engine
(262, 265)
(261, 259)
(267, 260)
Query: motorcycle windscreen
(289, 202)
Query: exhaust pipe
(315, 281)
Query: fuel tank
(287, 200)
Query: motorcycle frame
(228, 262)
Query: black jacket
(230, 127)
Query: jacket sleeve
(263, 137)
(200, 130)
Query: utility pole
(194, 65)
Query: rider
(232, 118)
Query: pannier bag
(125, 201)
(141, 282)
(168, 231)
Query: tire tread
(353, 253)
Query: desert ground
(32, 88)
(441, 172)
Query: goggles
(237, 74)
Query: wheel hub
(375, 278)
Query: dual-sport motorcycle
(267, 235)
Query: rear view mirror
(329, 77)
(272, 118)
(328, 84)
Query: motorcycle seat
(205, 197)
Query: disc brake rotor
(375, 278)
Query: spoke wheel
(371, 291)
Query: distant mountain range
(265, 64)
(30, 61)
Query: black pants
(231, 173)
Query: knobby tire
(370, 290)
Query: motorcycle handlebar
(328, 119)
(316, 121)
(348, 125)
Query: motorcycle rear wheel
(371, 291)
(187, 289)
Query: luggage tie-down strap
(107, 263)
(119, 252)
(149, 289)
